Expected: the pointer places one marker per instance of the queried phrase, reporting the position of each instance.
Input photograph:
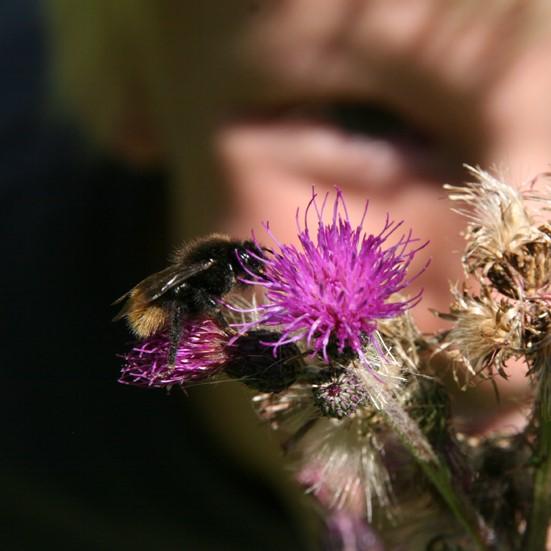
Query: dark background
(86, 463)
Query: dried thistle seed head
(497, 218)
(532, 260)
(504, 279)
(526, 268)
(341, 463)
(261, 367)
(339, 393)
(486, 332)
(339, 460)
(502, 240)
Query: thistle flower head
(332, 289)
(201, 353)
(503, 240)
(496, 217)
(342, 463)
(486, 333)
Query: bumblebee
(200, 274)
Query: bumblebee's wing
(156, 285)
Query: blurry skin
(466, 86)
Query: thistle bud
(339, 393)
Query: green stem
(535, 537)
(439, 475)
(456, 501)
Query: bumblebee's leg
(211, 304)
(176, 324)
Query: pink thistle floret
(201, 354)
(334, 288)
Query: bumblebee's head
(249, 257)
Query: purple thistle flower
(200, 355)
(331, 290)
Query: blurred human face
(386, 99)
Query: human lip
(349, 144)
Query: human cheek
(519, 116)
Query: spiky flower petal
(332, 290)
(201, 354)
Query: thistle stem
(535, 537)
(438, 474)
(457, 502)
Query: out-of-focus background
(87, 463)
(128, 126)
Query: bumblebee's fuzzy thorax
(188, 252)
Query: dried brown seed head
(486, 334)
